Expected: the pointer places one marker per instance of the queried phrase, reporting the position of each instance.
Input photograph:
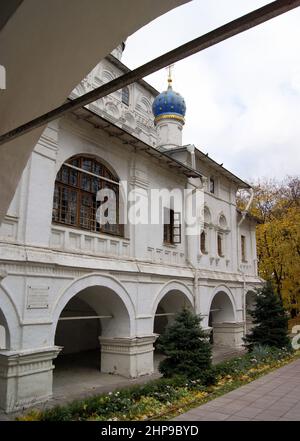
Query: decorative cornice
(3, 274)
(27, 362)
(127, 345)
(228, 325)
(137, 181)
(169, 116)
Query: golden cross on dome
(170, 68)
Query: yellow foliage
(277, 206)
(33, 415)
(244, 378)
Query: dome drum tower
(169, 110)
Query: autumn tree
(277, 206)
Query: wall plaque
(38, 297)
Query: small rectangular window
(243, 248)
(220, 245)
(125, 96)
(211, 185)
(172, 226)
(203, 242)
(176, 227)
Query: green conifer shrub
(270, 321)
(187, 349)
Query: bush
(187, 350)
(258, 355)
(270, 321)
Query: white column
(129, 357)
(139, 186)
(26, 377)
(228, 334)
(41, 178)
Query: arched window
(243, 248)
(223, 222)
(125, 96)
(207, 215)
(75, 195)
(203, 242)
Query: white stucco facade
(49, 270)
(64, 41)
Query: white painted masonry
(48, 270)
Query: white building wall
(43, 265)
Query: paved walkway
(273, 397)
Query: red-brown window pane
(87, 164)
(65, 175)
(73, 177)
(74, 201)
(86, 182)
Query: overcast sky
(242, 95)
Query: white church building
(69, 284)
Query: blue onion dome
(169, 104)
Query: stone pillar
(37, 217)
(194, 203)
(138, 228)
(249, 323)
(228, 334)
(208, 333)
(26, 377)
(129, 357)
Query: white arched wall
(77, 139)
(207, 214)
(78, 336)
(222, 221)
(222, 298)
(122, 352)
(55, 34)
(222, 313)
(250, 305)
(4, 334)
(250, 297)
(221, 288)
(10, 320)
(171, 299)
(89, 288)
(66, 154)
(10, 329)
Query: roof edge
(222, 169)
(135, 142)
(126, 69)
